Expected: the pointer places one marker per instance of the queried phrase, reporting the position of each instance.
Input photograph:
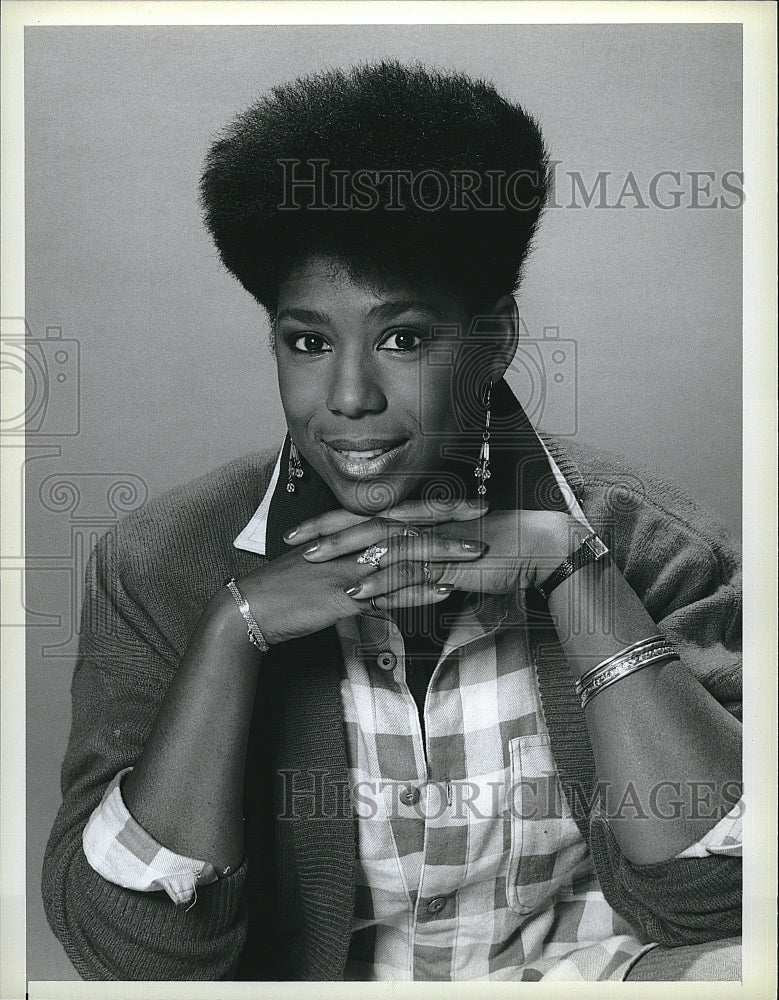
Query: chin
(370, 496)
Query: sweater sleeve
(686, 572)
(122, 672)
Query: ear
(506, 317)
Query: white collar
(253, 536)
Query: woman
(421, 695)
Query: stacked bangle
(628, 661)
(256, 638)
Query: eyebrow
(385, 310)
(305, 316)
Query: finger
(430, 546)
(355, 539)
(425, 511)
(324, 524)
(434, 511)
(409, 597)
(401, 576)
(406, 574)
(381, 541)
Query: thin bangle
(256, 638)
(622, 671)
(651, 641)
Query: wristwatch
(591, 550)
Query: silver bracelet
(256, 638)
(635, 647)
(615, 669)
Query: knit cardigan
(286, 913)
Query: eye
(310, 343)
(401, 340)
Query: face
(363, 403)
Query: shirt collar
(253, 536)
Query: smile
(368, 457)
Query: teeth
(356, 455)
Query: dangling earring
(294, 469)
(482, 470)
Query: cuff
(119, 849)
(723, 838)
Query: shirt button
(386, 660)
(409, 796)
(437, 904)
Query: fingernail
(311, 549)
(353, 591)
(472, 546)
(291, 533)
(443, 588)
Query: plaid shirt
(470, 864)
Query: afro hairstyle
(430, 128)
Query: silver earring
(294, 469)
(482, 470)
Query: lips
(356, 459)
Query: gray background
(175, 373)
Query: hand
(305, 590)
(517, 549)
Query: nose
(355, 389)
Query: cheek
(434, 401)
(298, 396)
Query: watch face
(596, 546)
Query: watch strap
(591, 550)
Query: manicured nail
(443, 588)
(290, 534)
(353, 591)
(311, 549)
(473, 546)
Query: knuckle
(405, 569)
(400, 543)
(380, 524)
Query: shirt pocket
(546, 848)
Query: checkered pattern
(486, 876)
(121, 851)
